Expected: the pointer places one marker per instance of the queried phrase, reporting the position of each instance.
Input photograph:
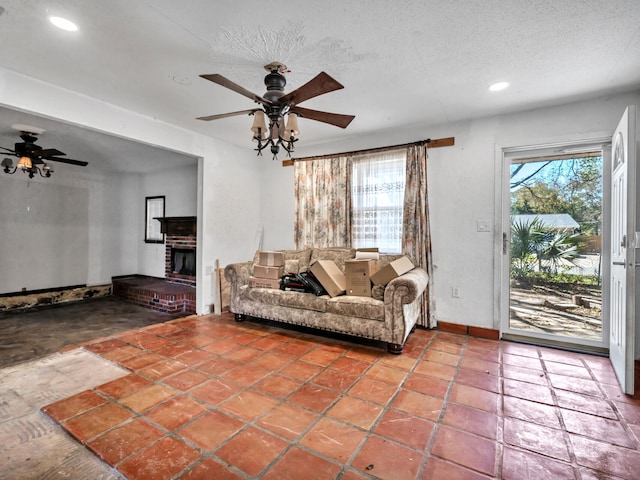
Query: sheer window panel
(377, 195)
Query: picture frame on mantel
(154, 209)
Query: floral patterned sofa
(388, 316)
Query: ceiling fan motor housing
(28, 137)
(27, 149)
(275, 83)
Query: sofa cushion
(352, 306)
(297, 261)
(337, 254)
(306, 301)
(274, 297)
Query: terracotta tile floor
(211, 398)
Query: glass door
(553, 230)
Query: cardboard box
(271, 259)
(392, 270)
(261, 271)
(364, 254)
(330, 277)
(358, 273)
(255, 282)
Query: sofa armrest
(237, 274)
(406, 288)
(401, 305)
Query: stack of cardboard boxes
(268, 271)
(359, 274)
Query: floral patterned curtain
(416, 241)
(323, 203)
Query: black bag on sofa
(303, 282)
(312, 284)
(291, 283)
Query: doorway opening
(554, 266)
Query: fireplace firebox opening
(183, 261)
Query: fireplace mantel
(182, 226)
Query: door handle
(619, 263)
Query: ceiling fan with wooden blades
(277, 104)
(32, 155)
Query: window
(154, 209)
(377, 192)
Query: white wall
(462, 189)
(110, 236)
(65, 230)
(42, 223)
(277, 204)
(229, 213)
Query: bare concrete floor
(38, 332)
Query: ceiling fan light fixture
(47, 169)
(25, 163)
(259, 127)
(292, 129)
(275, 131)
(63, 24)
(7, 163)
(33, 159)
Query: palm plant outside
(525, 242)
(534, 245)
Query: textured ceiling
(402, 62)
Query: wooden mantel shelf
(184, 226)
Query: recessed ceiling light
(496, 87)
(63, 24)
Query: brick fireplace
(181, 248)
(176, 292)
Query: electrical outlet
(455, 292)
(483, 226)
